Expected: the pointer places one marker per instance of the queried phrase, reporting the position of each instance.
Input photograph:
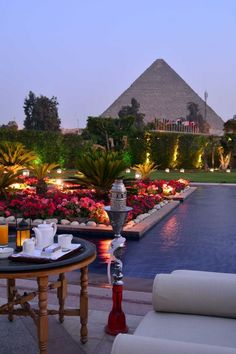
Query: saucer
(6, 252)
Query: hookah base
(116, 320)
(116, 324)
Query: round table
(12, 270)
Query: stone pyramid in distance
(163, 94)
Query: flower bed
(82, 205)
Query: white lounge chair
(193, 313)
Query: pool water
(200, 234)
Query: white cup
(28, 246)
(64, 241)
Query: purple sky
(86, 53)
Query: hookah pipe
(115, 251)
(117, 213)
(116, 320)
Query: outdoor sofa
(193, 313)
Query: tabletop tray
(37, 258)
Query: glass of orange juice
(3, 235)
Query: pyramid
(163, 94)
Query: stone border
(131, 232)
(138, 230)
(182, 196)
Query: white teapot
(44, 234)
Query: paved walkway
(20, 335)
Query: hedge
(166, 149)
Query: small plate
(6, 252)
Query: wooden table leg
(61, 294)
(43, 314)
(84, 305)
(10, 297)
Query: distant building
(163, 94)
(77, 131)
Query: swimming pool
(200, 234)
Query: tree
(40, 171)
(145, 169)
(99, 169)
(195, 116)
(230, 125)
(211, 150)
(41, 113)
(11, 125)
(99, 130)
(225, 151)
(14, 156)
(133, 110)
(6, 180)
(106, 131)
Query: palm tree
(14, 156)
(212, 147)
(40, 171)
(7, 178)
(225, 151)
(99, 169)
(145, 169)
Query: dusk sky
(86, 53)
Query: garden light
(228, 170)
(211, 169)
(181, 170)
(16, 185)
(59, 182)
(59, 170)
(137, 175)
(127, 170)
(26, 173)
(167, 170)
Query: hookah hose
(118, 242)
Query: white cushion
(205, 295)
(199, 273)
(189, 328)
(131, 344)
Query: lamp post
(117, 213)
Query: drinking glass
(3, 235)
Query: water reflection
(169, 233)
(199, 234)
(102, 250)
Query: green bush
(49, 146)
(99, 169)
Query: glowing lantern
(22, 234)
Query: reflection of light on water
(102, 250)
(169, 232)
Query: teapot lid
(28, 240)
(44, 225)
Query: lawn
(191, 175)
(198, 176)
